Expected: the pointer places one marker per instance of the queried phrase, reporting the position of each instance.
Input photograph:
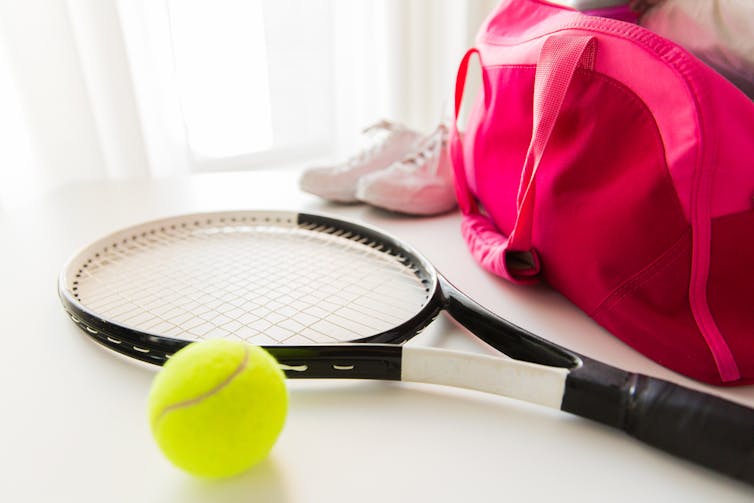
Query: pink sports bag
(615, 166)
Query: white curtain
(84, 95)
(65, 78)
(398, 59)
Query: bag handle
(513, 256)
(465, 201)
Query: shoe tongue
(427, 153)
(436, 137)
(374, 141)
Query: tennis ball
(217, 407)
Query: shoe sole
(398, 206)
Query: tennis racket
(333, 299)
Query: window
(235, 83)
(220, 57)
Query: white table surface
(74, 427)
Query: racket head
(270, 278)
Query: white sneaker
(419, 184)
(390, 143)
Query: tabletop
(74, 425)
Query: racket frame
(377, 356)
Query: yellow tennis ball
(217, 407)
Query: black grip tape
(702, 428)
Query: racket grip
(702, 428)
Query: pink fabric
(609, 157)
(524, 25)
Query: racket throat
(503, 335)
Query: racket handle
(702, 428)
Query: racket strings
(124, 292)
(257, 283)
(208, 306)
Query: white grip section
(530, 382)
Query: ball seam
(193, 401)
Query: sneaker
(390, 142)
(419, 184)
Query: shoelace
(381, 126)
(428, 152)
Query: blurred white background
(93, 89)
